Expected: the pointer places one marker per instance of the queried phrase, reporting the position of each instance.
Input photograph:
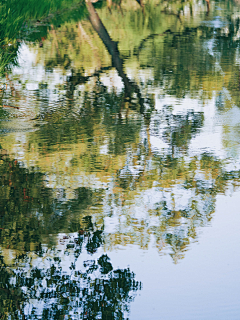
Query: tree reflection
(52, 285)
(30, 212)
(104, 135)
(129, 170)
(88, 177)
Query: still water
(119, 160)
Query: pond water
(119, 160)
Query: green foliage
(16, 17)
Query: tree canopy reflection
(126, 172)
(53, 285)
(88, 160)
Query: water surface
(119, 161)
